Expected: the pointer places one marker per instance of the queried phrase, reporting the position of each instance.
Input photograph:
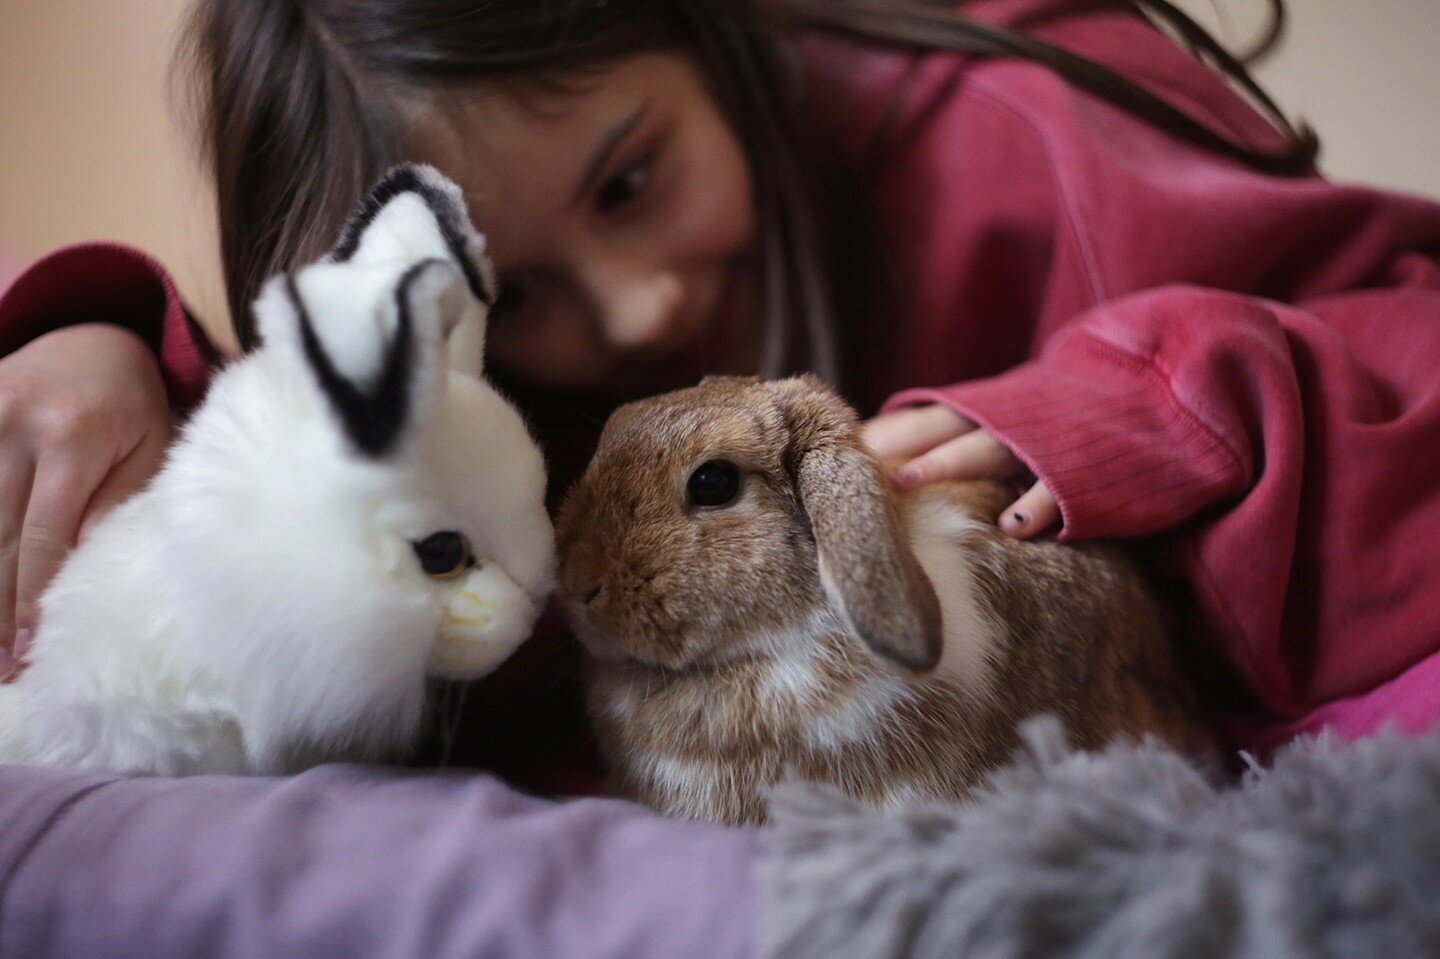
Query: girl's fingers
(61, 490)
(15, 480)
(976, 455)
(1032, 514)
(72, 402)
(911, 431)
(125, 479)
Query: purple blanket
(361, 863)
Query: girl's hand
(926, 444)
(84, 422)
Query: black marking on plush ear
(371, 421)
(407, 179)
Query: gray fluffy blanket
(1332, 851)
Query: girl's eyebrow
(601, 154)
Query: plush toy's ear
(414, 213)
(374, 342)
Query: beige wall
(1365, 73)
(88, 149)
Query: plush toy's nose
(484, 619)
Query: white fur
(690, 787)
(860, 715)
(793, 680)
(938, 535)
(259, 606)
(403, 232)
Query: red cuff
(111, 283)
(1104, 432)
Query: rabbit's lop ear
(866, 564)
(415, 213)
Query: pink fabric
(1406, 703)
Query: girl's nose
(636, 310)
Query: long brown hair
(297, 107)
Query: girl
(1068, 254)
(1078, 271)
(1076, 255)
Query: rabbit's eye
(714, 483)
(444, 555)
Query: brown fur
(794, 631)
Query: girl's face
(620, 216)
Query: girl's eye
(626, 185)
(444, 555)
(714, 483)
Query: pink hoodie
(1242, 372)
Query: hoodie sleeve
(1147, 410)
(111, 283)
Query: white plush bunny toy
(351, 512)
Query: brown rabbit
(757, 605)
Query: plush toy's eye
(444, 555)
(714, 483)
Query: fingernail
(908, 475)
(1014, 520)
(22, 642)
